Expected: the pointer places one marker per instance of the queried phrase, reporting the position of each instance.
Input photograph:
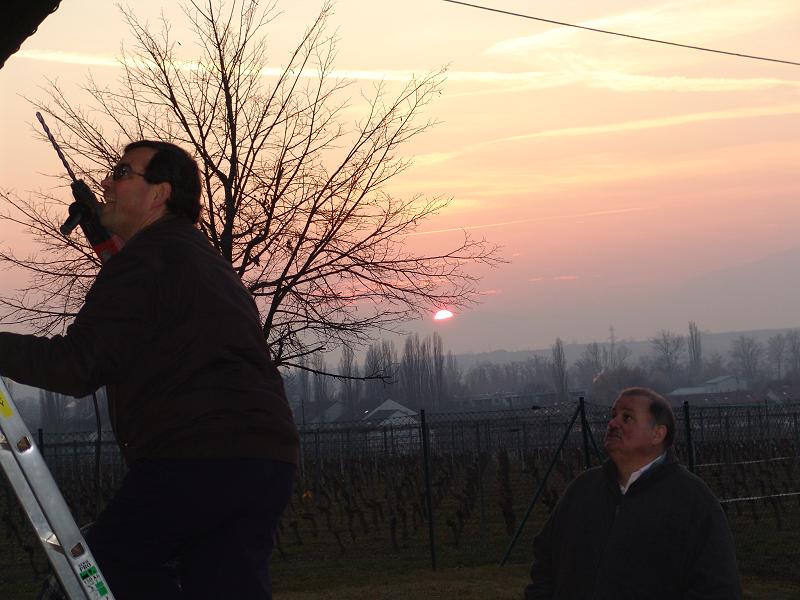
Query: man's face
(131, 202)
(631, 432)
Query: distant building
(509, 401)
(717, 385)
(719, 398)
(390, 413)
(395, 429)
(726, 389)
(782, 393)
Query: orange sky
(630, 184)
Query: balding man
(197, 405)
(639, 527)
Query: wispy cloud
(620, 127)
(630, 82)
(694, 22)
(68, 58)
(738, 113)
(595, 213)
(620, 64)
(524, 80)
(557, 278)
(498, 82)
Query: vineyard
(454, 489)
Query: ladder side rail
(48, 497)
(39, 522)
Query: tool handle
(56, 146)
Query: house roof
(392, 407)
(688, 391)
(383, 415)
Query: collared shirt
(636, 474)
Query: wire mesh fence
(365, 493)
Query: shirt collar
(636, 474)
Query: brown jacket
(171, 331)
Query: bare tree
(304, 388)
(793, 348)
(559, 369)
(695, 353)
(452, 377)
(610, 382)
(380, 359)
(614, 354)
(320, 383)
(776, 354)
(598, 360)
(714, 366)
(348, 383)
(745, 355)
(295, 198)
(415, 376)
(438, 383)
(589, 365)
(668, 350)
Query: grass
(462, 583)
(382, 579)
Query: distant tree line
(423, 374)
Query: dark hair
(173, 165)
(660, 410)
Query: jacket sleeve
(711, 569)
(541, 586)
(99, 346)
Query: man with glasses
(197, 406)
(641, 527)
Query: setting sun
(442, 315)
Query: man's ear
(659, 434)
(163, 193)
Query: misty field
(359, 521)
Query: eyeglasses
(121, 171)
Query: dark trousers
(217, 518)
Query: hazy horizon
(630, 184)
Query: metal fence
(373, 492)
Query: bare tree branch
(295, 195)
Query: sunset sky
(630, 184)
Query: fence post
(40, 433)
(728, 450)
(428, 487)
(524, 446)
(541, 487)
(702, 427)
(687, 421)
(317, 469)
(481, 496)
(585, 433)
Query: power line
(625, 35)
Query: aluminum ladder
(46, 509)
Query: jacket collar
(652, 474)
